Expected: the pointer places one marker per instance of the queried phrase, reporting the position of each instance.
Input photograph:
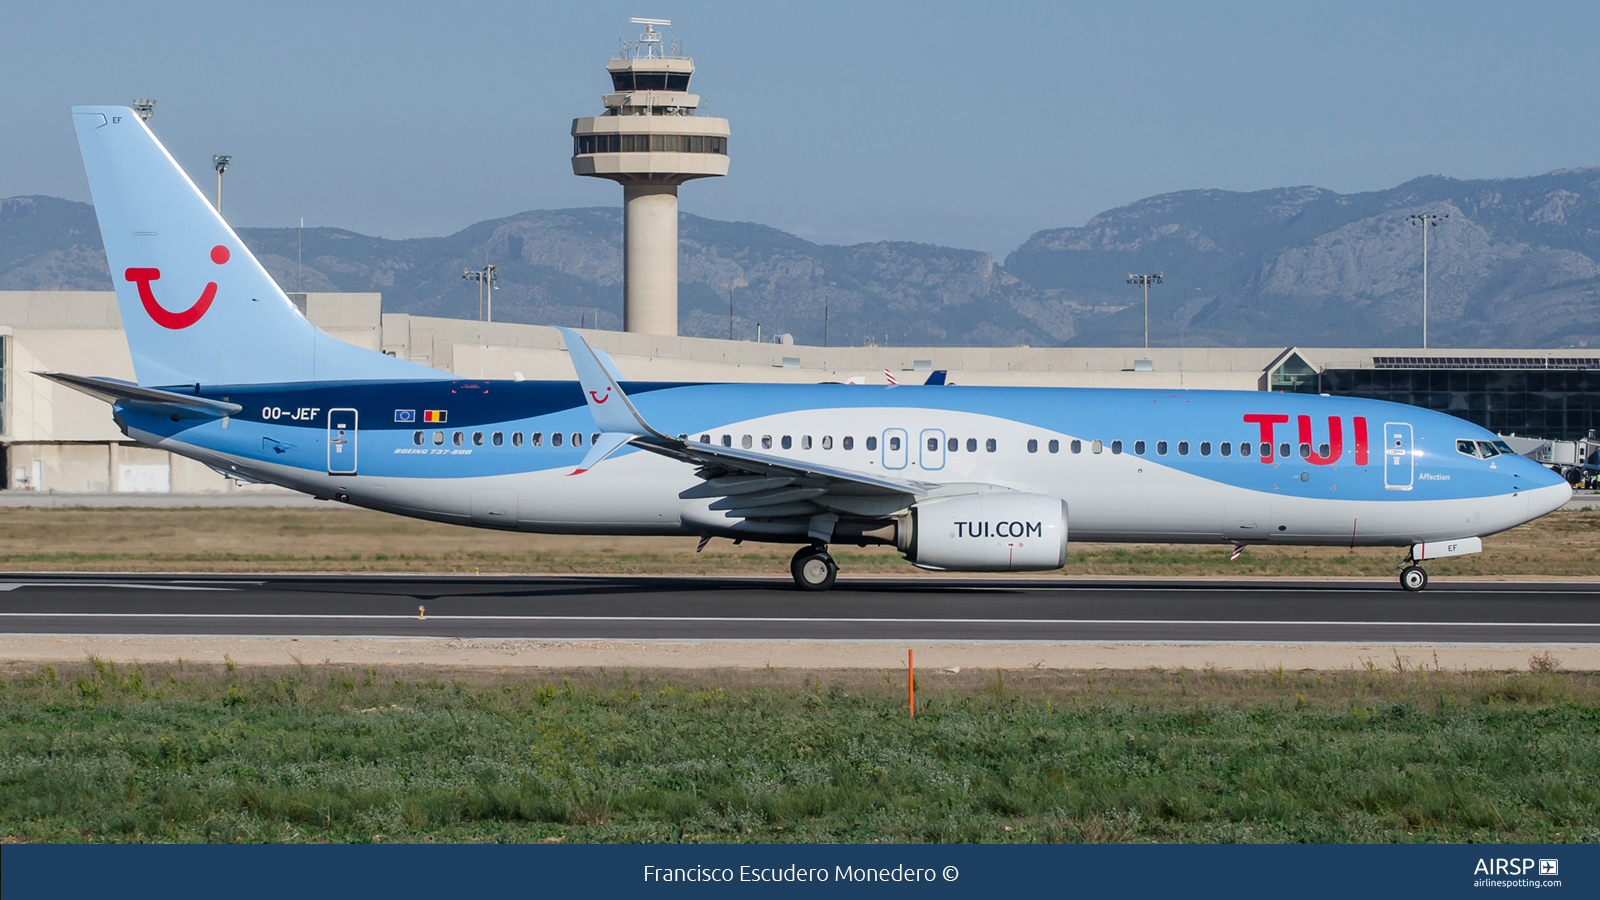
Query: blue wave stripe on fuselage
(1087, 414)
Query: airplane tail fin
(196, 305)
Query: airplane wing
(743, 483)
(153, 400)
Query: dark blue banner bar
(403, 871)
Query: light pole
(220, 163)
(144, 108)
(1426, 220)
(1145, 280)
(485, 277)
(490, 276)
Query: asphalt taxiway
(863, 609)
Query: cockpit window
(1504, 448)
(1487, 450)
(1470, 448)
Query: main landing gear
(813, 569)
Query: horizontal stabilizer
(152, 400)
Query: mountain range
(1516, 263)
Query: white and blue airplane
(958, 478)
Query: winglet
(611, 408)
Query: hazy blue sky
(968, 124)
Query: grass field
(1563, 544)
(100, 752)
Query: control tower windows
(632, 80)
(649, 143)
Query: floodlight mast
(1145, 280)
(144, 108)
(1426, 220)
(220, 162)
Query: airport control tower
(650, 140)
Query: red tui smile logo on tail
(599, 399)
(161, 315)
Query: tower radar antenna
(649, 45)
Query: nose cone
(1546, 491)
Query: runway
(695, 608)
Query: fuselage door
(1399, 460)
(341, 442)
(895, 451)
(930, 453)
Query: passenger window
(1161, 448)
(953, 444)
(705, 438)
(456, 439)
(849, 443)
(1116, 448)
(747, 442)
(417, 438)
(989, 445)
(727, 440)
(1244, 448)
(933, 444)
(594, 438)
(1226, 448)
(1033, 445)
(1322, 451)
(1183, 448)
(1305, 451)
(894, 443)
(1205, 448)
(827, 442)
(438, 438)
(1284, 451)
(1266, 449)
(516, 439)
(555, 438)
(766, 442)
(1077, 446)
(972, 445)
(787, 442)
(1138, 447)
(1054, 446)
(477, 439)
(805, 442)
(535, 439)
(498, 439)
(872, 443)
(1096, 447)
(577, 439)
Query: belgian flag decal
(434, 415)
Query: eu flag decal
(405, 415)
(433, 415)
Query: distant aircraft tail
(196, 305)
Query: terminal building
(56, 439)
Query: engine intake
(988, 532)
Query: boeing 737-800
(959, 478)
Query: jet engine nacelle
(988, 532)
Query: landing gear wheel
(1413, 578)
(813, 569)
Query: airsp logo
(1515, 867)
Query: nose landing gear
(813, 569)
(1413, 577)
